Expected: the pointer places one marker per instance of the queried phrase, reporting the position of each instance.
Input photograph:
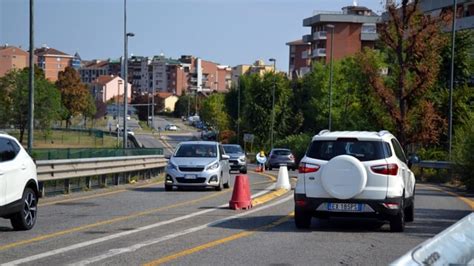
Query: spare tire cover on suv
(344, 177)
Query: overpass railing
(120, 169)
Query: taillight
(305, 168)
(385, 169)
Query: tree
(185, 105)
(90, 110)
(414, 42)
(75, 95)
(101, 109)
(213, 111)
(14, 101)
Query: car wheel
(410, 212)
(168, 188)
(220, 186)
(26, 218)
(243, 171)
(302, 219)
(397, 222)
(270, 168)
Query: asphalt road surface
(144, 224)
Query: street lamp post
(273, 100)
(238, 116)
(451, 85)
(329, 26)
(153, 109)
(125, 73)
(31, 82)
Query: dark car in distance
(238, 158)
(280, 156)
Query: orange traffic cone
(258, 169)
(241, 198)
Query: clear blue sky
(229, 32)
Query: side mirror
(225, 157)
(413, 159)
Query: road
(143, 223)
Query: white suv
(18, 184)
(355, 173)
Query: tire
(410, 212)
(397, 222)
(220, 186)
(168, 188)
(302, 219)
(26, 218)
(270, 168)
(244, 171)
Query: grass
(68, 139)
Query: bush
(463, 152)
(296, 143)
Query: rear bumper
(288, 164)
(379, 209)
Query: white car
(198, 164)
(355, 173)
(171, 127)
(18, 184)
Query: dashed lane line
(115, 252)
(218, 242)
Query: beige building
(107, 87)
(258, 67)
(12, 57)
(169, 101)
(52, 61)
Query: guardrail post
(117, 179)
(67, 186)
(103, 181)
(41, 191)
(88, 182)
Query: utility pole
(273, 100)
(330, 75)
(31, 79)
(451, 85)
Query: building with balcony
(355, 27)
(258, 67)
(91, 70)
(300, 58)
(464, 10)
(52, 61)
(11, 58)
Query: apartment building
(52, 61)
(12, 57)
(140, 73)
(355, 27)
(91, 70)
(108, 87)
(300, 59)
(464, 10)
(259, 67)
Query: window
(398, 150)
(362, 150)
(196, 150)
(8, 150)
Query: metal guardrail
(453, 246)
(53, 170)
(435, 164)
(79, 153)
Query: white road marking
(119, 251)
(122, 234)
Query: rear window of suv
(362, 150)
(281, 152)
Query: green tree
(185, 105)
(14, 101)
(413, 42)
(462, 152)
(213, 111)
(75, 95)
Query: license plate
(348, 207)
(236, 163)
(190, 177)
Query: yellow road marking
(269, 196)
(105, 222)
(95, 195)
(272, 178)
(469, 202)
(218, 242)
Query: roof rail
(383, 132)
(324, 131)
